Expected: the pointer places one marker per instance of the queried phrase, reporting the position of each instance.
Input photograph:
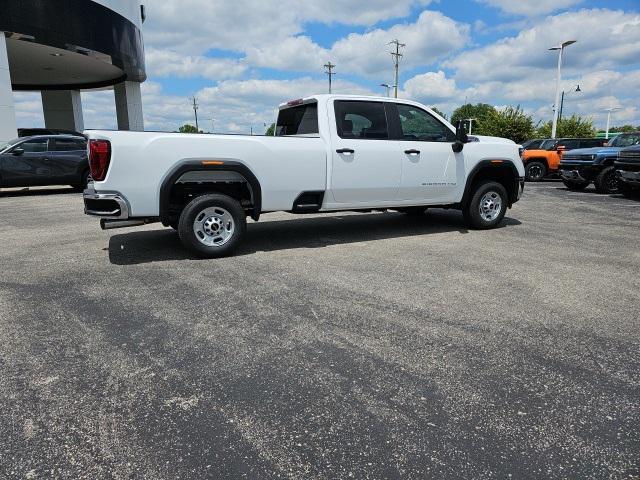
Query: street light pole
(388, 87)
(560, 49)
(562, 102)
(609, 112)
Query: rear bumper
(112, 206)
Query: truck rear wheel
(627, 190)
(212, 225)
(606, 181)
(535, 171)
(487, 206)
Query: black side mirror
(17, 151)
(461, 137)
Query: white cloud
(163, 63)
(531, 8)
(605, 39)
(430, 87)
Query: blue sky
(242, 58)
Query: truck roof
(328, 96)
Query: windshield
(625, 140)
(6, 145)
(548, 144)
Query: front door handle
(412, 151)
(345, 150)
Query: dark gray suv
(44, 160)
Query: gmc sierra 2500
(330, 153)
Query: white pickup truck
(329, 153)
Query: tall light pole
(388, 87)
(560, 49)
(396, 61)
(329, 71)
(609, 112)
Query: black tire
(212, 206)
(606, 181)
(471, 210)
(575, 186)
(627, 190)
(413, 211)
(535, 171)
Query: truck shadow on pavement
(311, 232)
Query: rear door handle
(412, 151)
(345, 150)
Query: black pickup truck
(628, 171)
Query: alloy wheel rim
(535, 172)
(214, 226)
(490, 206)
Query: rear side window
(299, 120)
(596, 142)
(364, 120)
(68, 145)
(569, 144)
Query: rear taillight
(99, 158)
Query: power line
(329, 71)
(396, 61)
(195, 112)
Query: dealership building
(62, 47)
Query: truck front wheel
(212, 225)
(487, 206)
(606, 181)
(575, 186)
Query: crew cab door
(365, 161)
(429, 165)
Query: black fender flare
(207, 165)
(489, 165)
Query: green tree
(573, 126)
(187, 128)
(437, 110)
(511, 123)
(482, 113)
(270, 130)
(622, 129)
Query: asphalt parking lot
(332, 346)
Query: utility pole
(195, 112)
(329, 71)
(396, 61)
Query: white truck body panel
(378, 174)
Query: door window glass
(418, 125)
(68, 145)
(34, 146)
(569, 144)
(363, 120)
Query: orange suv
(545, 160)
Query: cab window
(37, 145)
(363, 120)
(418, 125)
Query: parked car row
(611, 165)
(44, 160)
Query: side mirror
(17, 151)
(461, 137)
(560, 148)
